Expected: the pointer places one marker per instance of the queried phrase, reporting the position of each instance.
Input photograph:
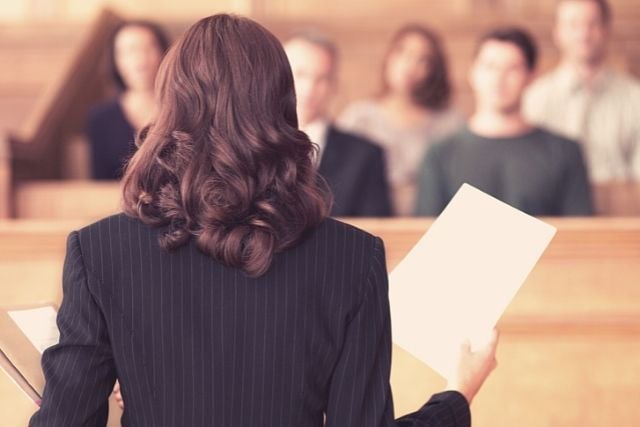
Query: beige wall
(26, 11)
(15, 11)
(362, 28)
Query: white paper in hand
(459, 278)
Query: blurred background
(53, 56)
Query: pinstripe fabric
(195, 343)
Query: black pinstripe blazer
(195, 343)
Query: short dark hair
(517, 36)
(158, 33)
(603, 5)
(434, 91)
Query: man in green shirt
(498, 151)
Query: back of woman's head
(224, 162)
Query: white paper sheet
(39, 325)
(459, 278)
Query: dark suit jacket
(111, 139)
(356, 172)
(195, 343)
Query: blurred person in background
(353, 167)
(411, 110)
(136, 50)
(499, 152)
(584, 99)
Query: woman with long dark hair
(411, 110)
(135, 51)
(223, 295)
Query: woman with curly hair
(411, 110)
(223, 295)
(134, 55)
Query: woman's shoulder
(451, 114)
(345, 237)
(107, 238)
(107, 107)
(107, 111)
(342, 248)
(448, 121)
(356, 111)
(118, 227)
(344, 229)
(108, 225)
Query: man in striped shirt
(584, 99)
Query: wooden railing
(87, 200)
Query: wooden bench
(617, 198)
(570, 340)
(88, 200)
(64, 200)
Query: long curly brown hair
(224, 162)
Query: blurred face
(314, 78)
(137, 57)
(408, 63)
(499, 76)
(580, 31)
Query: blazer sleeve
(79, 370)
(359, 390)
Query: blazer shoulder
(108, 228)
(355, 251)
(106, 111)
(344, 231)
(115, 219)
